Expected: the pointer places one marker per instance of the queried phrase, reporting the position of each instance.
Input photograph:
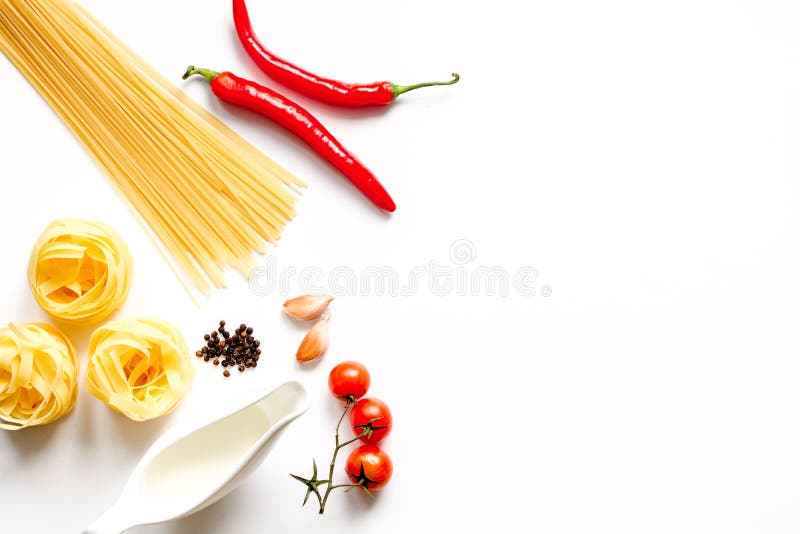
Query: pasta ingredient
(349, 381)
(307, 307)
(330, 91)
(139, 367)
(368, 467)
(240, 350)
(211, 199)
(316, 342)
(371, 420)
(292, 116)
(38, 375)
(80, 271)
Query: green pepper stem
(398, 90)
(205, 73)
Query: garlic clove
(316, 342)
(307, 307)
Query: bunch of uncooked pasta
(80, 273)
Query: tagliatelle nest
(139, 367)
(80, 271)
(38, 375)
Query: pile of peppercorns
(238, 350)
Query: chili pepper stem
(398, 90)
(205, 73)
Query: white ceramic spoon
(188, 469)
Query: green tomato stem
(339, 446)
(351, 486)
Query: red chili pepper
(332, 91)
(293, 117)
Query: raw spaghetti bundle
(38, 375)
(211, 198)
(139, 367)
(80, 271)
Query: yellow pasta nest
(38, 375)
(80, 271)
(139, 367)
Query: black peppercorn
(239, 350)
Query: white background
(642, 156)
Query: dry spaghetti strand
(208, 196)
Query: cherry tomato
(349, 379)
(372, 414)
(370, 467)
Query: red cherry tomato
(349, 379)
(369, 467)
(372, 415)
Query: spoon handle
(110, 522)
